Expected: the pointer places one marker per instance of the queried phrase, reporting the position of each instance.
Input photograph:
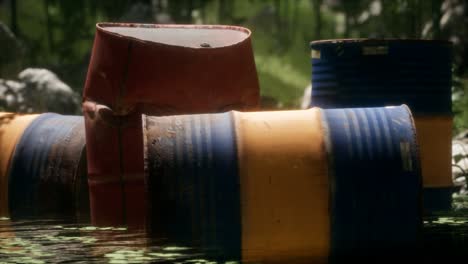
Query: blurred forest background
(57, 35)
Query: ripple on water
(52, 241)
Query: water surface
(445, 234)
(53, 241)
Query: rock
(10, 94)
(462, 136)
(38, 90)
(460, 161)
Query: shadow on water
(445, 234)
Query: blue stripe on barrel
(371, 73)
(47, 168)
(193, 181)
(375, 180)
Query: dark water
(56, 241)
(53, 241)
(445, 234)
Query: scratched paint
(122, 80)
(252, 185)
(47, 175)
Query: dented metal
(250, 184)
(157, 70)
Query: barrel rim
(382, 41)
(101, 27)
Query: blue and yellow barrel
(11, 128)
(44, 166)
(286, 186)
(382, 72)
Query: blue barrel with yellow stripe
(301, 186)
(383, 72)
(12, 126)
(47, 173)
(374, 73)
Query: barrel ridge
(373, 73)
(62, 182)
(330, 160)
(193, 181)
(369, 145)
(11, 129)
(44, 166)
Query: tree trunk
(295, 18)
(221, 11)
(203, 11)
(436, 16)
(318, 19)
(50, 38)
(347, 24)
(14, 20)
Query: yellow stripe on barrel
(284, 185)
(434, 134)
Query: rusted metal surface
(11, 128)
(157, 70)
(286, 186)
(128, 70)
(193, 182)
(115, 166)
(48, 167)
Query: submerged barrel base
(286, 186)
(47, 169)
(12, 127)
(437, 199)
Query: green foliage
(460, 103)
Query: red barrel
(157, 70)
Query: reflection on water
(52, 241)
(446, 233)
(446, 236)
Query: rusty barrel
(307, 186)
(47, 172)
(157, 70)
(11, 128)
(382, 72)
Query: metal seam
(328, 145)
(120, 124)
